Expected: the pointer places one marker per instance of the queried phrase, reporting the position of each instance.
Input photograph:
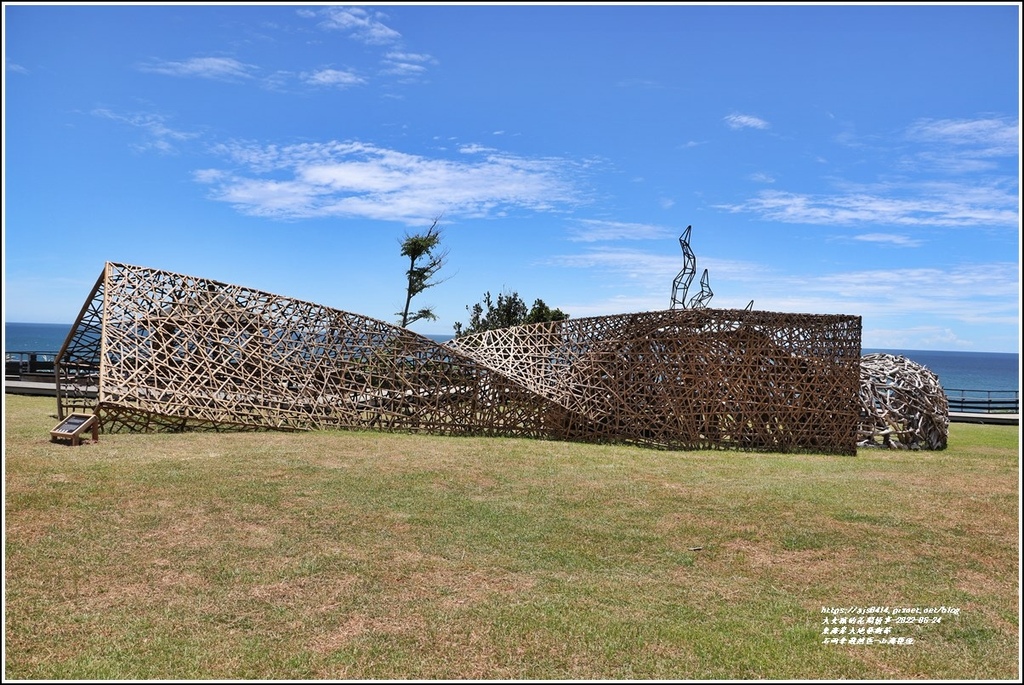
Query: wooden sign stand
(72, 427)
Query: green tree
(426, 258)
(540, 312)
(509, 310)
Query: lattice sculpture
(169, 352)
(903, 406)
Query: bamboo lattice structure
(172, 352)
(903, 405)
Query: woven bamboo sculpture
(172, 352)
(903, 406)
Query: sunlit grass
(377, 556)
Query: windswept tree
(509, 310)
(426, 258)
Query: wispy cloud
(475, 149)
(160, 136)
(962, 146)
(745, 121)
(369, 28)
(938, 149)
(406, 64)
(943, 204)
(889, 239)
(360, 25)
(332, 78)
(354, 179)
(939, 337)
(217, 68)
(969, 292)
(14, 67)
(653, 272)
(987, 137)
(593, 230)
(633, 264)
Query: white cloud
(208, 175)
(406, 64)
(356, 179)
(360, 25)
(920, 205)
(995, 137)
(652, 273)
(761, 177)
(396, 56)
(889, 238)
(160, 136)
(969, 292)
(333, 77)
(962, 146)
(592, 230)
(217, 68)
(404, 69)
(745, 121)
(13, 67)
(646, 271)
(928, 337)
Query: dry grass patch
(376, 556)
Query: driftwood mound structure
(903, 406)
(169, 352)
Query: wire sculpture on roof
(681, 283)
(701, 299)
(684, 278)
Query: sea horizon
(441, 337)
(956, 369)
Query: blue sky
(832, 159)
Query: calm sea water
(956, 370)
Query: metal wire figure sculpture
(701, 299)
(685, 276)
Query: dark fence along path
(983, 401)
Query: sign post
(72, 427)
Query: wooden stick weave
(171, 352)
(903, 405)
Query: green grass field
(335, 555)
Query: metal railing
(983, 401)
(18, 362)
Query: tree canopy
(425, 260)
(509, 310)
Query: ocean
(996, 371)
